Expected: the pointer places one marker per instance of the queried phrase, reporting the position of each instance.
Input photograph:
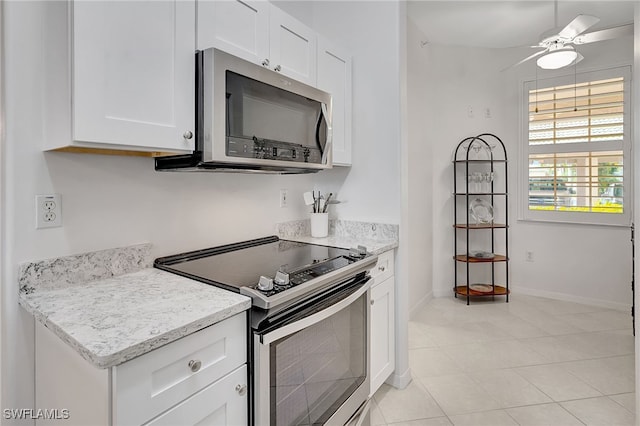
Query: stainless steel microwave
(252, 119)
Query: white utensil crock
(319, 225)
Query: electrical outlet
(48, 211)
(283, 197)
(529, 256)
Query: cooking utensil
(308, 198)
(326, 202)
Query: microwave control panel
(268, 149)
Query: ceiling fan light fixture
(557, 58)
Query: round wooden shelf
(497, 291)
(480, 225)
(470, 259)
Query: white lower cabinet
(212, 405)
(382, 346)
(199, 379)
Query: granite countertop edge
(136, 350)
(145, 338)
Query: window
(578, 158)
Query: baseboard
(399, 381)
(571, 298)
(420, 305)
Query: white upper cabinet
(237, 27)
(334, 76)
(292, 47)
(260, 33)
(132, 71)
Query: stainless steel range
(310, 324)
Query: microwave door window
(264, 121)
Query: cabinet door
(292, 47)
(133, 73)
(382, 332)
(334, 76)
(149, 384)
(240, 28)
(222, 403)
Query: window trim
(588, 218)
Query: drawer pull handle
(195, 365)
(188, 134)
(381, 268)
(241, 389)
(372, 301)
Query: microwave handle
(329, 142)
(294, 327)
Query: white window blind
(578, 150)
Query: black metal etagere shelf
(490, 195)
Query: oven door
(312, 363)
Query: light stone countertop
(376, 237)
(111, 321)
(373, 246)
(110, 306)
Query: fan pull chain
(575, 91)
(536, 90)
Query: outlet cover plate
(48, 211)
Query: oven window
(315, 370)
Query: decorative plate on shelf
(481, 288)
(482, 254)
(481, 211)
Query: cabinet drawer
(384, 268)
(221, 403)
(145, 386)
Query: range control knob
(359, 252)
(282, 278)
(265, 283)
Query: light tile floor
(532, 361)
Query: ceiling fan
(558, 51)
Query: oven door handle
(289, 329)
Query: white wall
(591, 264)
(419, 166)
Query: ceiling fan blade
(580, 24)
(528, 58)
(607, 34)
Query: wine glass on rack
(487, 178)
(475, 182)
